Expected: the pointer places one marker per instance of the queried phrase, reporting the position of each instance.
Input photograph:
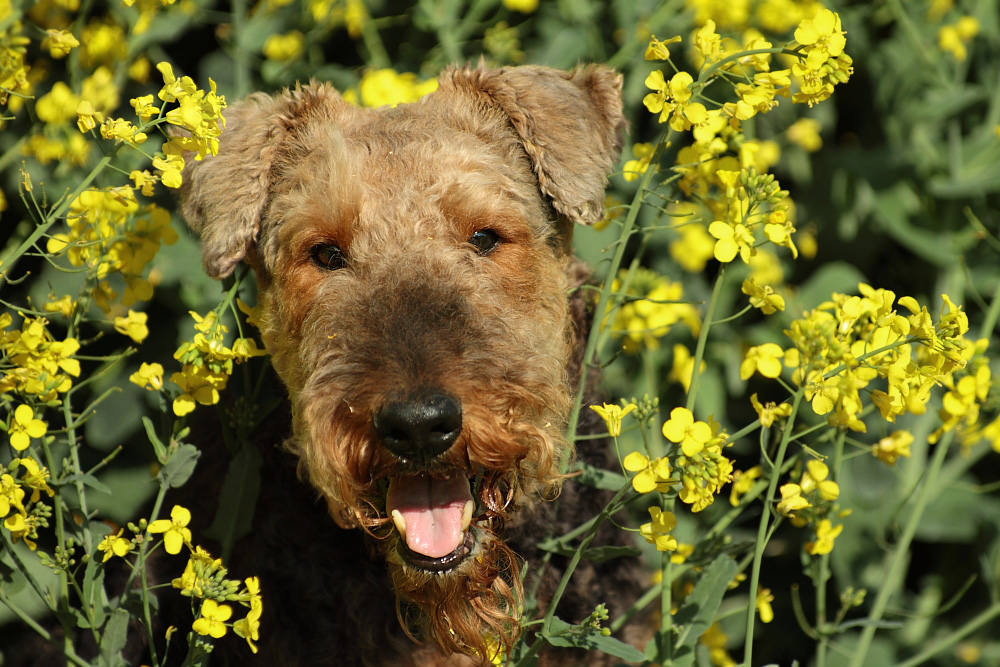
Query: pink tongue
(432, 510)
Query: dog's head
(412, 265)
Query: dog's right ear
(224, 197)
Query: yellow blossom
(175, 531)
(791, 500)
(826, 533)
(64, 305)
(657, 531)
(283, 48)
(954, 38)
(35, 477)
(763, 604)
(632, 169)
(805, 133)
(149, 376)
(682, 368)
(814, 477)
(651, 474)
(249, 627)
(765, 359)
(114, 545)
(658, 50)
(25, 426)
(59, 43)
(763, 297)
(681, 428)
(133, 326)
(612, 416)
(742, 483)
(523, 6)
(770, 412)
(732, 240)
(889, 449)
(213, 619)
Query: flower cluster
(810, 502)
(23, 517)
(700, 465)
(387, 87)
(204, 578)
(207, 363)
(111, 235)
(34, 364)
(652, 306)
(843, 346)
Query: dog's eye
(484, 241)
(328, 256)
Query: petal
(635, 462)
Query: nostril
(420, 427)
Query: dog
(420, 307)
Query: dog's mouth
(433, 514)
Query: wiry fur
(519, 151)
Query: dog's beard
(472, 609)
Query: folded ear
(570, 124)
(224, 197)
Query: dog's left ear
(570, 124)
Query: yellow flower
(64, 305)
(58, 105)
(682, 368)
(657, 50)
(791, 500)
(632, 169)
(249, 627)
(814, 477)
(805, 133)
(114, 545)
(59, 43)
(683, 429)
(694, 247)
(766, 359)
(35, 477)
(149, 376)
(763, 604)
(953, 38)
(523, 6)
(889, 449)
(174, 529)
(651, 475)
(742, 483)
(825, 535)
(133, 326)
(658, 530)
(732, 240)
(213, 619)
(386, 87)
(770, 412)
(763, 297)
(282, 48)
(86, 117)
(612, 416)
(24, 427)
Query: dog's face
(412, 265)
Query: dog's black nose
(421, 427)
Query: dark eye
(485, 241)
(328, 256)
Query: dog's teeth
(467, 514)
(400, 522)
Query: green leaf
(564, 635)
(180, 465)
(113, 639)
(158, 446)
(238, 498)
(595, 555)
(699, 609)
(88, 480)
(599, 478)
(93, 582)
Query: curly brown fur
(411, 316)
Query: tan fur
(400, 191)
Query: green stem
(241, 68)
(823, 575)
(992, 315)
(953, 638)
(699, 352)
(894, 575)
(58, 212)
(597, 330)
(772, 486)
(578, 554)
